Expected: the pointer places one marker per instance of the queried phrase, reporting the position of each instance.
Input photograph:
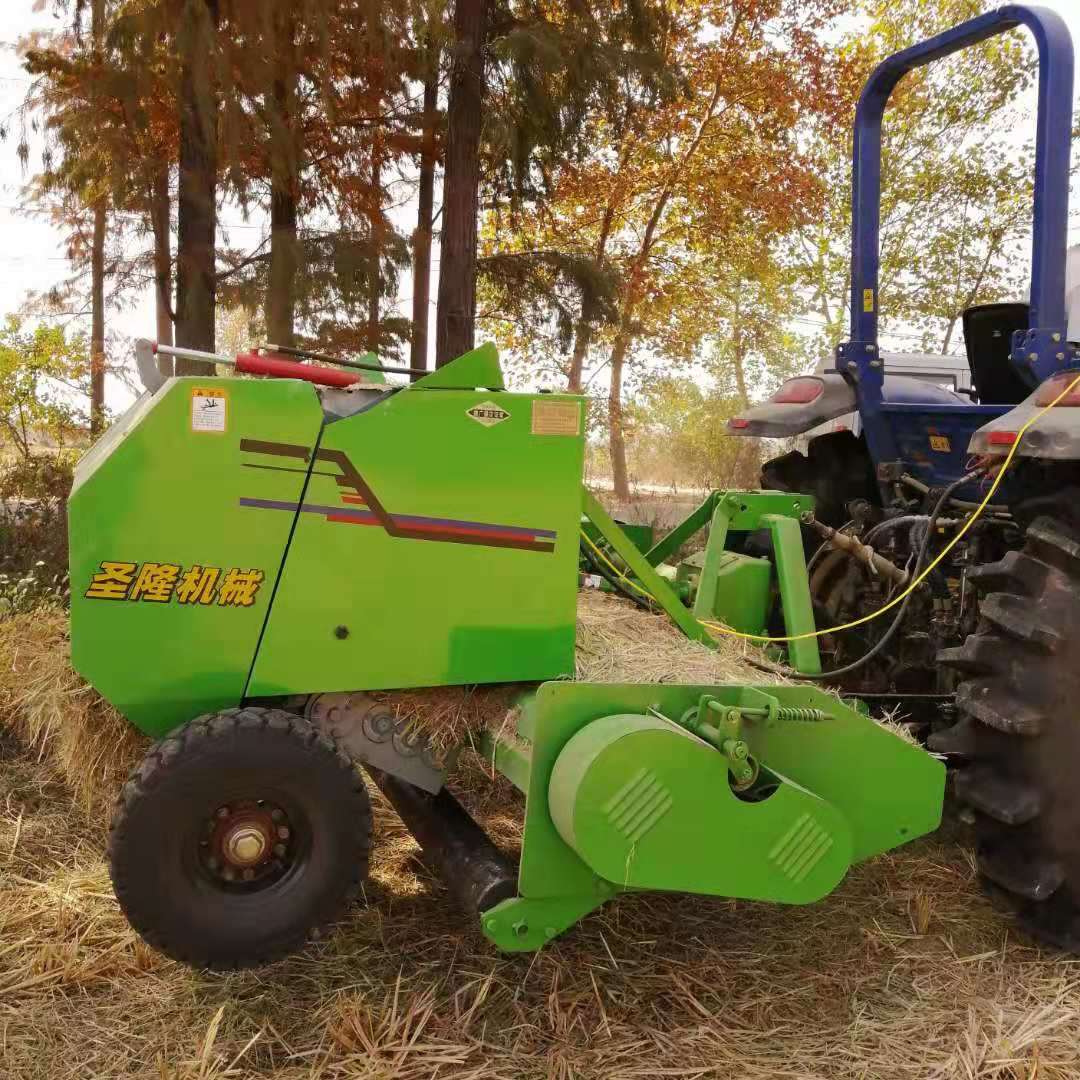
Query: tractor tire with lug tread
(238, 837)
(1022, 738)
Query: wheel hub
(245, 845)
(247, 841)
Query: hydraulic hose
(898, 618)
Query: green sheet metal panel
(888, 791)
(648, 806)
(437, 545)
(159, 625)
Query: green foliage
(43, 381)
(676, 434)
(33, 531)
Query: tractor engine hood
(809, 400)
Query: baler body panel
(171, 578)
(437, 545)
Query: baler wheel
(238, 837)
(1019, 706)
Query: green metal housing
(231, 539)
(628, 790)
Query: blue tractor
(992, 638)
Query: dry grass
(78, 734)
(904, 973)
(616, 642)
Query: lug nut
(283, 833)
(279, 850)
(276, 815)
(228, 874)
(248, 875)
(223, 812)
(212, 863)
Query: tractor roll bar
(1052, 146)
(1037, 352)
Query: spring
(803, 715)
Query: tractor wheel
(239, 837)
(1020, 733)
(836, 469)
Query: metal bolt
(871, 348)
(223, 812)
(249, 874)
(1060, 356)
(875, 363)
(279, 850)
(283, 833)
(1055, 338)
(276, 815)
(1033, 356)
(246, 845)
(520, 928)
(852, 365)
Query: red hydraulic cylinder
(279, 368)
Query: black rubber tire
(167, 893)
(835, 469)
(1020, 733)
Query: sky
(32, 250)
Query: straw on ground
(905, 972)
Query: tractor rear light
(738, 423)
(1055, 385)
(800, 391)
(1001, 438)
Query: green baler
(249, 557)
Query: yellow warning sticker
(868, 299)
(209, 409)
(556, 417)
(941, 444)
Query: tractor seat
(988, 333)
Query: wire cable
(898, 618)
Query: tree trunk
(616, 435)
(281, 288)
(375, 282)
(425, 214)
(456, 314)
(197, 192)
(97, 265)
(159, 225)
(285, 165)
(738, 351)
(582, 338)
(97, 320)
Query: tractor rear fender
(1056, 436)
(805, 402)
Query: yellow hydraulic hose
(900, 596)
